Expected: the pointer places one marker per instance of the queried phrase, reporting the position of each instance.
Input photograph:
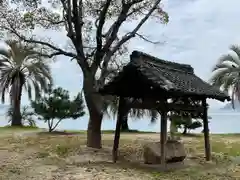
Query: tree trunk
(94, 137)
(185, 130)
(50, 124)
(173, 128)
(94, 103)
(16, 104)
(125, 126)
(16, 118)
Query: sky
(198, 33)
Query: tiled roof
(168, 76)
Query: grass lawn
(62, 157)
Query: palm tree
(111, 107)
(26, 114)
(21, 67)
(226, 73)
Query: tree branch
(77, 20)
(101, 23)
(112, 33)
(125, 38)
(58, 51)
(116, 26)
(56, 124)
(131, 34)
(68, 19)
(74, 19)
(147, 40)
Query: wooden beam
(118, 128)
(163, 136)
(168, 106)
(206, 131)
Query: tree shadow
(53, 133)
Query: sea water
(220, 122)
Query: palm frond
(110, 105)
(225, 65)
(23, 68)
(229, 59)
(6, 52)
(236, 50)
(219, 76)
(20, 50)
(226, 73)
(153, 114)
(137, 113)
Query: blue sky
(198, 33)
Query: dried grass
(47, 156)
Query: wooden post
(120, 115)
(163, 136)
(206, 131)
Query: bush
(56, 106)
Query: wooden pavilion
(152, 83)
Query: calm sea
(220, 122)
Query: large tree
(226, 73)
(93, 28)
(20, 68)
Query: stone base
(175, 152)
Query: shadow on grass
(53, 133)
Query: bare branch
(74, 21)
(147, 40)
(101, 23)
(57, 51)
(131, 34)
(68, 19)
(125, 38)
(115, 27)
(112, 33)
(77, 20)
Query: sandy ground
(28, 156)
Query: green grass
(230, 149)
(23, 128)
(227, 135)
